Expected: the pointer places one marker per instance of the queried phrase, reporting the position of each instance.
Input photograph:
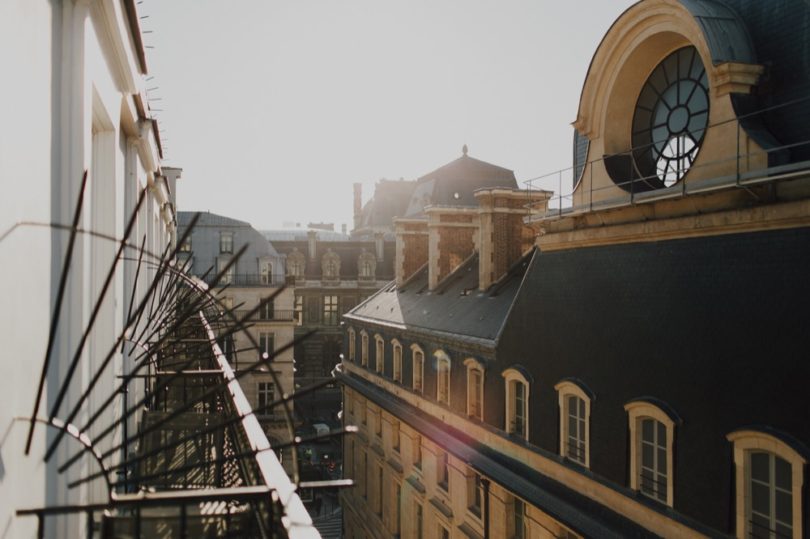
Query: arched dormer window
(769, 475)
(442, 377)
(475, 388)
(330, 266)
(366, 266)
(396, 354)
(517, 402)
(575, 416)
(652, 435)
(418, 368)
(364, 348)
(379, 353)
(296, 264)
(352, 344)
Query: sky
(273, 109)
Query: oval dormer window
(670, 118)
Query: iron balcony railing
(575, 192)
(265, 315)
(199, 463)
(249, 279)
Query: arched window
(769, 476)
(364, 348)
(418, 367)
(397, 360)
(442, 377)
(379, 355)
(475, 388)
(652, 433)
(366, 266)
(296, 264)
(330, 266)
(575, 414)
(352, 344)
(517, 403)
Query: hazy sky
(274, 108)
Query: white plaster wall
(25, 256)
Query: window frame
(475, 366)
(475, 493)
(745, 442)
(396, 360)
(637, 411)
(263, 389)
(267, 338)
(379, 353)
(226, 247)
(566, 389)
(364, 348)
(350, 335)
(511, 377)
(443, 365)
(330, 310)
(417, 369)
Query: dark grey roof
(390, 201)
(301, 234)
(724, 31)
(456, 306)
(208, 219)
(454, 183)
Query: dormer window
(296, 264)
(366, 266)
(226, 242)
(475, 389)
(442, 378)
(330, 266)
(517, 403)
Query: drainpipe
(485, 485)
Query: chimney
(311, 240)
(411, 247)
(358, 204)
(452, 238)
(343, 229)
(504, 238)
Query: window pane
(760, 499)
(647, 430)
(662, 461)
(783, 474)
(784, 506)
(647, 455)
(760, 467)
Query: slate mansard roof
(456, 307)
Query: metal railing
(248, 279)
(738, 169)
(274, 315)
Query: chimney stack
(358, 204)
(311, 241)
(452, 238)
(504, 238)
(411, 247)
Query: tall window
(442, 471)
(444, 533)
(267, 311)
(651, 436)
(397, 508)
(397, 360)
(380, 489)
(298, 310)
(519, 523)
(395, 435)
(379, 355)
(227, 276)
(442, 378)
(474, 492)
(575, 410)
(352, 344)
(416, 447)
(266, 392)
(330, 265)
(330, 310)
(517, 403)
(364, 348)
(475, 389)
(265, 272)
(769, 477)
(418, 368)
(296, 264)
(366, 265)
(185, 247)
(226, 242)
(266, 344)
(418, 519)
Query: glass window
(418, 520)
(265, 272)
(443, 380)
(397, 361)
(266, 344)
(575, 429)
(395, 435)
(185, 247)
(266, 395)
(227, 276)
(442, 472)
(418, 369)
(771, 488)
(397, 508)
(352, 345)
(330, 310)
(267, 311)
(444, 533)
(298, 313)
(417, 451)
(379, 355)
(519, 520)
(474, 492)
(653, 463)
(517, 403)
(226, 242)
(364, 349)
(475, 384)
